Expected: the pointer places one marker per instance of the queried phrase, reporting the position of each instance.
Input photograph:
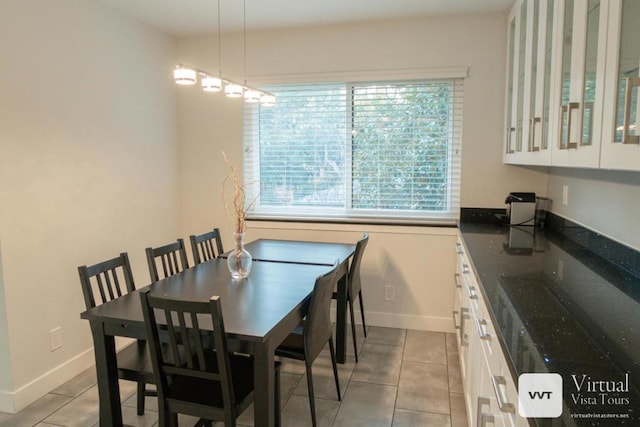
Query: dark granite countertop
(558, 307)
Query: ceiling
(192, 17)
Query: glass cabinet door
(522, 43)
(546, 94)
(567, 45)
(621, 115)
(534, 119)
(627, 112)
(511, 128)
(590, 69)
(582, 64)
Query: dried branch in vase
(239, 260)
(235, 206)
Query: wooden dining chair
(199, 377)
(171, 257)
(354, 288)
(307, 340)
(206, 246)
(101, 283)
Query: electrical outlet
(55, 338)
(389, 293)
(565, 195)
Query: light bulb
(252, 96)
(233, 90)
(267, 100)
(211, 84)
(184, 76)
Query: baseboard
(404, 321)
(12, 402)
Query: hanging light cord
(244, 37)
(219, 43)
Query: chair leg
(364, 325)
(312, 400)
(166, 418)
(335, 366)
(353, 330)
(141, 390)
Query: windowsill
(382, 226)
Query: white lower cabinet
(491, 395)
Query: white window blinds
(387, 151)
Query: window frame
(347, 214)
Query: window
(387, 151)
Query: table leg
(341, 318)
(107, 375)
(264, 384)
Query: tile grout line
(333, 421)
(395, 402)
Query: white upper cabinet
(528, 106)
(580, 65)
(573, 84)
(512, 99)
(540, 109)
(621, 115)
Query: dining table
(259, 313)
(313, 253)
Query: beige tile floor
(404, 378)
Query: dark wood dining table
(313, 253)
(259, 312)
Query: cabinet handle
(459, 248)
(626, 138)
(457, 277)
(482, 418)
(455, 313)
(465, 268)
(510, 132)
(497, 381)
(482, 329)
(568, 109)
(471, 290)
(464, 315)
(532, 133)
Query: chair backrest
(187, 355)
(110, 278)
(317, 324)
(172, 258)
(203, 247)
(354, 271)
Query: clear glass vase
(239, 260)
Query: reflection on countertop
(558, 307)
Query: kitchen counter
(559, 308)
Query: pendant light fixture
(211, 84)
(233, 90)
(185, 76)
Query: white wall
(604, 201)
(419, 261)
(5, 357)
(87, 169)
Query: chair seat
(134, 363)
(293, 345)
(208, 392)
